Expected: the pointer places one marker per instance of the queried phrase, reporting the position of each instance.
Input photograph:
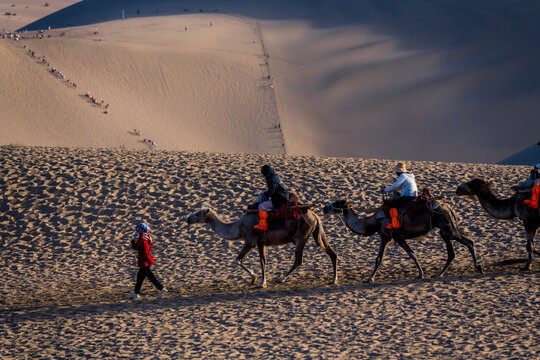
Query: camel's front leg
(298, 255)
(243, 252)
(262, 256)
(382, 248)
(531, 230)
(401, 242)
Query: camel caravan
(278, 217)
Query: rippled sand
(66, 216)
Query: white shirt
(404, 183)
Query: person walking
(144, 260)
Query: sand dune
(67, 214)
(28, 11)
(402, 80)
(529, 156)
(205, 92)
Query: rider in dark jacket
(276, 189)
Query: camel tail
(322, 242)
(319, 235)
(455, 221)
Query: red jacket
(144, 247)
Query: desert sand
(67, 215)
(318, 89)
(28, 11)
(397, 80)
(206, 91)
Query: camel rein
(341, 216)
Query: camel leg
(298, 255)
(401, 242)
(382, 248)
(470, 245)
(239, 259)
(531, 230)
(262, 257)
(450, 249)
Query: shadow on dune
(432, 19)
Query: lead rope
(300, 211)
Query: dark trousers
(402, 201)
(143, 273)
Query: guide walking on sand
(144, 259)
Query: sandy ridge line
(273, 95)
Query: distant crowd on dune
(53, 69)
(59, 74)
(9, 36)
(16, 36)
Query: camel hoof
(263, 286)
(282, 280)
(527, 267)
(254, 279)
(480, 270)
(421, 276)
(370, 280)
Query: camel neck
(356, 224)
(228, 231)
(498, 208)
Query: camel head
(200, 216)
(474, 187)
(337, 207)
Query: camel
(295, 231)
(505, 209)
(444, 219)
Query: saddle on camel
(276, 205)
(273, 219)
(417, 209)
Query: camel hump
(426, 192)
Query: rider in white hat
(406, 185)
(405, 182)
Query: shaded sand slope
(528, 156)
(443, 80)
(200, 89)
(66, 216)
(425, 80)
